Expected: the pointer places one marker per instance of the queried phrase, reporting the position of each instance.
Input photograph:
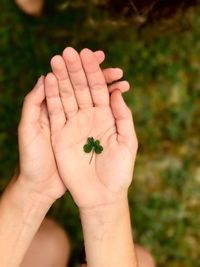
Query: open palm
(37, 161)
(79, 107)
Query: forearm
(21, 213)
(108, 236)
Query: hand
(37, 164)
(38, 169)
(79, 107)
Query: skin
(37, 161)
(31, 7)
(39, 184)
(78, 99)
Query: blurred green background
(157, 43)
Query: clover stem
(91, 156)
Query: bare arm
(82, 107)
(108, 236)
(21, 213)
(27, 199)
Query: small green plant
(94, 146)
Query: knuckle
(76, 70)
(66, 93)
(55, 111)
(97, 86)
(85, 105)
(80, 86)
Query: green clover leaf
(88, 148)
(98, 149)
(92, 145)
(97, 143)
(91, 141)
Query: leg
(49, 248)
(31, 7)
(145, 259)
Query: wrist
(25, 185)
(108, 228)
(107, 213)
(26, 198)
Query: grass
(162, 62)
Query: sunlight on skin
(57, 117)
(35, 114)
(78, 99)
(39, 183)
(80, 105)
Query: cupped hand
(38, 169)
(79, 106)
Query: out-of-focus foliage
(158, 46)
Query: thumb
(32, 103)
(123, 118)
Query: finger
(32, 103)
(54, 104)
(66, 90)
(44, 119)
(77, 78)
(123, 117)
(122, 86)
(95, 78)
(112, 74)
(100, 56)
